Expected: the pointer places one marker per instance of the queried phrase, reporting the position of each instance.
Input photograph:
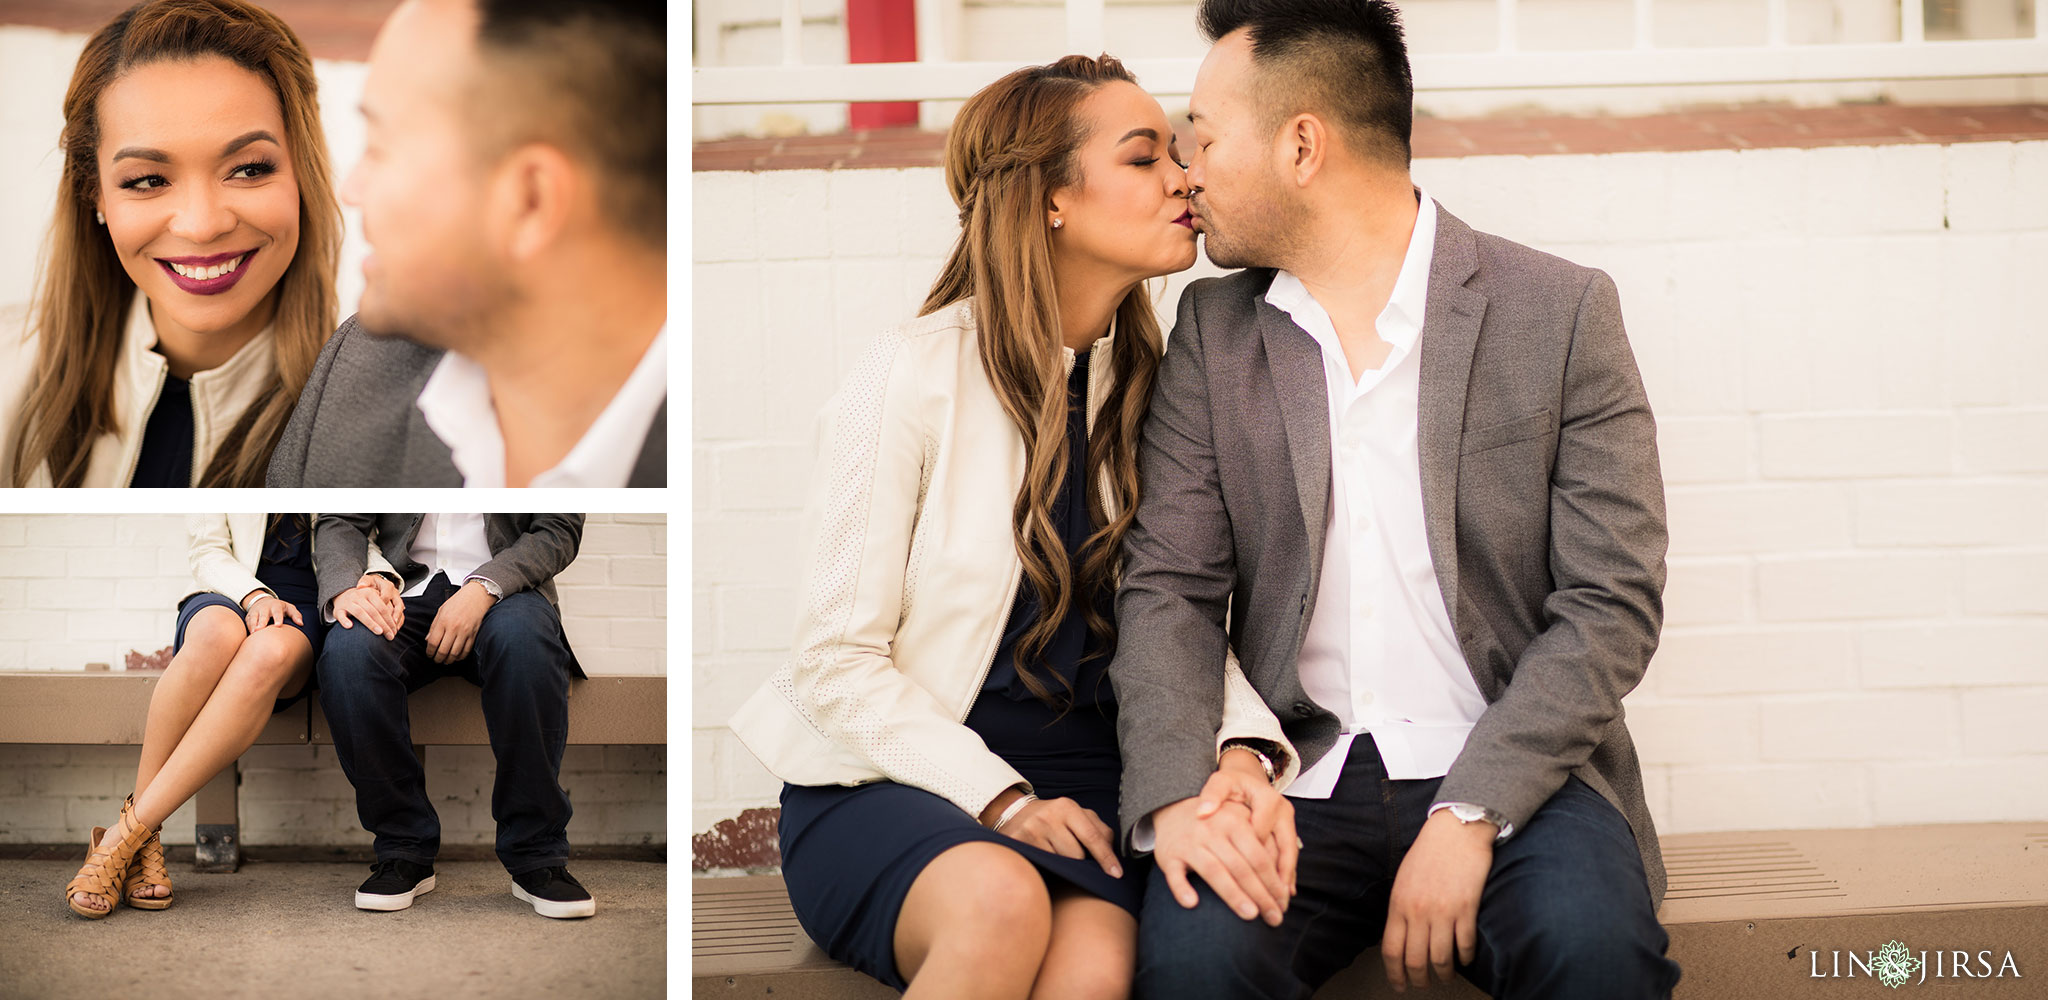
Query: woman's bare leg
(211, 639)
(271, 661)
(974, 925)
(1093, 952)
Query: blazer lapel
(1296, 363)
(1450, 332)
(427, 461)
(651, 467)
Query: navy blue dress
(166, 456)
(850, 854)
(286, 567)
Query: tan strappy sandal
(148, 869)
(107, 865)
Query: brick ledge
(1751, 127)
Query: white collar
(1400, 323)
(456, 402)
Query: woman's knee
(268, 660)
(987, 895)
(215, 630)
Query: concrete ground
(287, 929)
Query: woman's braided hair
(1012, 146)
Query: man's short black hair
(1345, 59)
(592, 75)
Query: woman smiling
(188, 282)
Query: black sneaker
(393, 884)
(554, 893)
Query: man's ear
(533, 197)
(1305, 140)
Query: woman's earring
(99, 216)
(1056, 223)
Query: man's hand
(1434, 911)
(362, 604)
(1222, 848)
(454, 630)
(1240, 778)
(266, 610)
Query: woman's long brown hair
(81, 308)
(1012, 145)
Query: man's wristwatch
(1272, 773)
(1468, 813)
(490, 587)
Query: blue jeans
(1565, 912)
(521, 660)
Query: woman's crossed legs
(980, 922)
(213, 701)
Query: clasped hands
(1249, 856)
(375, 602)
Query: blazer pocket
(1536, 424)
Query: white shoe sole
(372, 901)
(552, 908)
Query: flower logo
(1895, 965)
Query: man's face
(1240, 201)
(432, 274)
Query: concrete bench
(1750, 914)
(109, 709)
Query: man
(478, 602)
(1413, 468)
(512, 329)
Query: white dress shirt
(457, 404)
(453, 544)
(1380, 652)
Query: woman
(243, 651)
(188, 281)
(980, 470)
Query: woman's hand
(268, 611)
(361, 605)
(1064, 827)
(1241, 780)
(384, 588)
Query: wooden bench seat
(109, 709)
(1750, 915)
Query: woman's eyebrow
(1136, 133)
(159, 156)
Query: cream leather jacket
(227, 547)
(911, 573)
(219, 397)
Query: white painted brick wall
(1845, 351)
(58, 572)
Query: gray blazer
(527, 551)
(356, 425)
(1542, 500)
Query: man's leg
(522, 663)
(1344, 876)
(1566, 910)
(364, 681)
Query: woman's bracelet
(1013, 809)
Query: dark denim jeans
(1565, 912)
(521, 660)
